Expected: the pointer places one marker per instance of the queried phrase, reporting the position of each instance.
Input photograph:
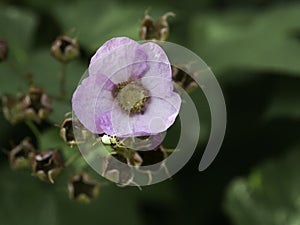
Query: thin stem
(62, 80)
(72, 159)
(35, 131)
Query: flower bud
(20, 156)
(155, 29)
(82, 188)
(3, 50)
(47, 165)
(65, 48)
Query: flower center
(131, 96)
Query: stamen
(131, 96)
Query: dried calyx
(82, 188)
(65, 48)
(47, 165)
(155, 29)
(34, 105)
(72, 131)
(20, 156)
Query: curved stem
(35, 131)
(72, 159)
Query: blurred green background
(253, 47)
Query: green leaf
(251, 40)
(270, 195)
(17, 28)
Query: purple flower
(129, 90)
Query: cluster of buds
(82, 188)
(65, 48)
(155, 29)
(3, 50)
(35, 105)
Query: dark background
(253, 47)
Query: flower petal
(112, 45)
(140, 65)
(115, 59)
(158, 86)
(116, 122)
(133, 59)
(86, 96)
(159, 115)
(157, 60)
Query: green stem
(72, 159)
(35, 131)
(62, 80)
